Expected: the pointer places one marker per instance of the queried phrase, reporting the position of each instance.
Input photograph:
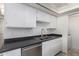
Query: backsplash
(23, 32)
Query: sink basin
(48, 37)
(45, 37)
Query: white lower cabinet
(51, 47)
(16, 52)
(1, 54)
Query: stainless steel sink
(48, 37)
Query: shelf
(51, 28)
(19, 27)
(42, 21)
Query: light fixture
(1, 8)
(2, 11)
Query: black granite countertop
(15, 43)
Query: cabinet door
(47, 19)
(16, 52)
(52, 22)
(20, 15)
(51, 48)
(1, 54)
(42, 16)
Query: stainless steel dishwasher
(32, 50)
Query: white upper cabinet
(20, 15)
(42, 17)
(47, 19)
(52, 22)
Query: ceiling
(61, 8)
(54, 8)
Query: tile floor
(70, 53)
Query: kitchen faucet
(43, 33)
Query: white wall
(74, 30)
(62, 28)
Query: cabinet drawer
(52, 42)
(16, 52)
